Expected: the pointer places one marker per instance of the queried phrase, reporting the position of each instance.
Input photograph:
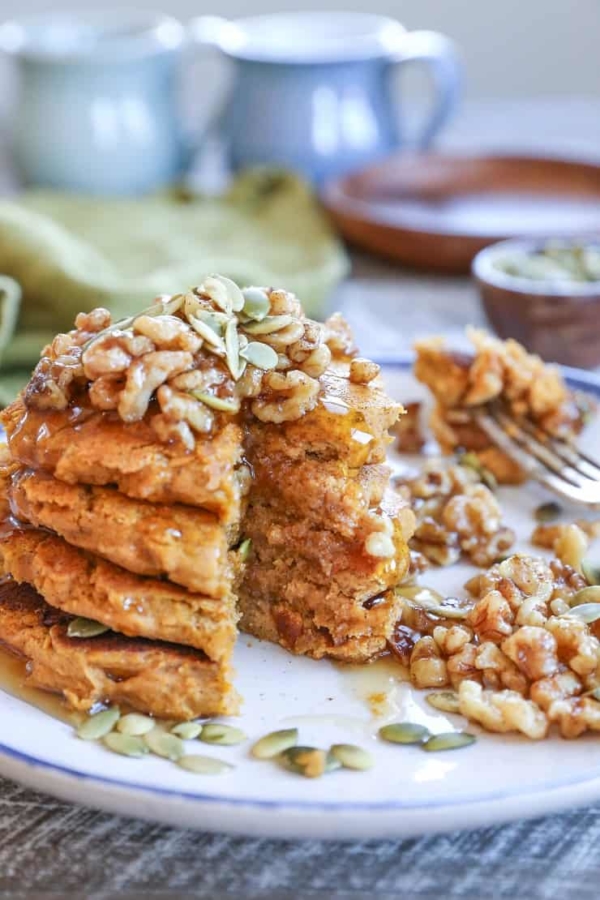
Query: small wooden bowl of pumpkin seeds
(546, 295)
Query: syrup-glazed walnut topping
(519, 661)
(193, 357)
(456, 514)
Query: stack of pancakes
(289, 524)
(104, 522)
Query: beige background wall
(510, 47)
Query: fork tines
(551, 460)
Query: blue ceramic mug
(313, 90)
(98, 106)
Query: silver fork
(554, 462)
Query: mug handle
(213, 32)
(442, 59)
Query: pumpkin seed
(332, 763)
(256, 303)
(203, 765)
(586, 595)
(432, 602)
(595, 694)
(187, 731)
(587, 612)
(173, 305)
(135, 724)
(218, 733)
(591, 571)
(221, 404)
(404, 733)
(234, 293)
(446, 701)
(85, 628)
(125, 744)
(163, 743)
(245, 549)
(214, 341)
(260, 355)
(218, 291)
(452, 740)
(420, 594)
(273, 744)
(100, 724)
(352, 757)
(548, 512)
(268, 325)
(448, 612)
(488, 478)
(470, 460)
(217, 321)
(232, 348)
(310, 762)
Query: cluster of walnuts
(192, 358)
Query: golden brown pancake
(162, 679)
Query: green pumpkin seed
(587, 612)
(135, 724)
(232, 348)
(421, 595)
(332, 763)
(453, 740)
(173, 305)
(215, 287)
(310, 762)
(470, 460)
(268, 325)
(404, 733)
(446, 701)
(228, 405)
(352, 757)
(234, 293)
(586, 595)
(488, 478)
(260, 355)
(591, 571)
(245, 549)
(256, 303)
(187, 731)
(432, 602)
(548, 512)
(595, 694)
(218, 733)
(273, 744)
(125, 744)
(203, 765)
(208, 334)
(448, 612)
(217, 321)
(85, 628)
(163, 743)
(100, 724)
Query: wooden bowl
(435, 211)
(560, 321)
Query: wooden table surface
(49, 848)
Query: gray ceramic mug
(313, 90)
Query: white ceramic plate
(408, 792)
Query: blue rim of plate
(577, 379)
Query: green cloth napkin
(70, 253)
